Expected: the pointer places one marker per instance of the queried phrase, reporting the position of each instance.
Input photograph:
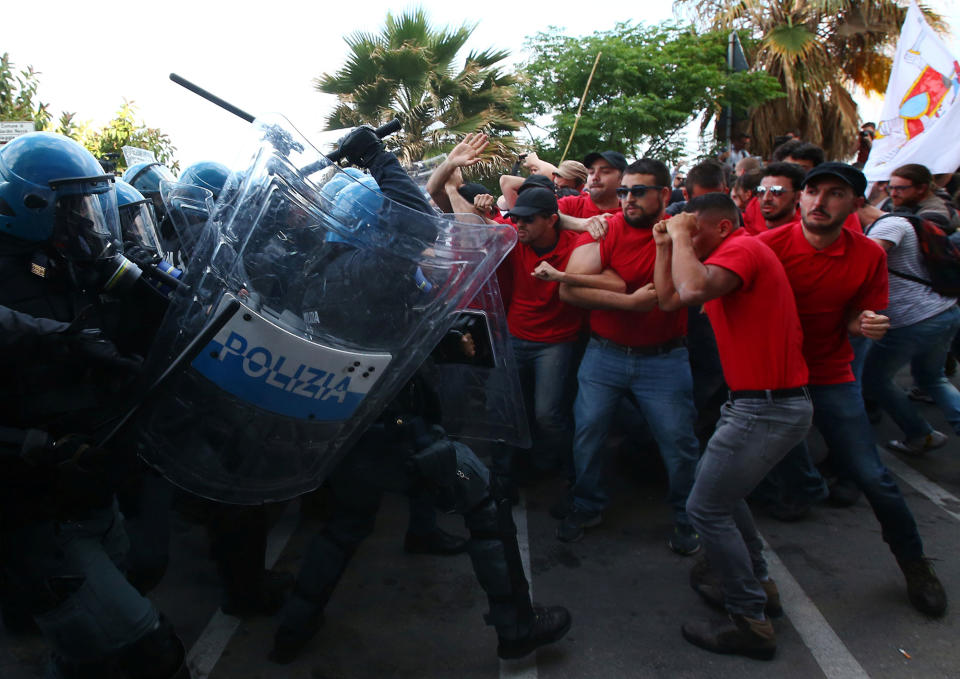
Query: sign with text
(133, 155)
(11, 129)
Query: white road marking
(524, 668)
(831, 654)
(206, 652)
(920, 483)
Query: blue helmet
(138, 223)
(52, 190)
(207, 174)
(146, 177)
(356, 204)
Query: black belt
(771, 394)
(645, 350)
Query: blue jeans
(751, 437)
(544, 377)
(924, 346)
(663, 389)
(839, 414)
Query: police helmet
(146, 177)
(52, 190)
(207, 174)
(356, 204)
(138, 223)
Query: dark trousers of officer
(358, 484)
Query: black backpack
(940, 255)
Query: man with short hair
(777, 198)
(635, 347)
(703, 258)
(911, 192)
(801, 153)
(740, 149)
(745, 188)
(704, 177)
(839, 277)
(605, 168)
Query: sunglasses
(637, 190)
(896, 189)
(774, 190)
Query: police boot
(521, 626)
(159, 654)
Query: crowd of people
(724, 311)
(730, 309)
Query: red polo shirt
(632, 253)
(848, 275)
(535, 312)
(582, 206)
(757, 329)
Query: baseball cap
(534, 201)
(541, 181)
(847, 173)
(615, 158)
(471, 190)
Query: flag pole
(580, 108)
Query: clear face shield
(138, 225)
(86, 221)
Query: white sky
(259, 56)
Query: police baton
(180, 363)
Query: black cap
(471, 190)
(615, 158)
(541, 181)
(534, 201)
(847, 173)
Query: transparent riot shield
(480, 388)
(188, 208)
(343, 293)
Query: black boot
(549, 624)
(923, 587)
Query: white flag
(920, 122)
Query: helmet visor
(86, 222)
(138, 225)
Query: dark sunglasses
(637, 190)
(774, 190)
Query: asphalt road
(396, 615)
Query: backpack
(940, 255)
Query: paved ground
(404, 616)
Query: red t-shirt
(850, 274)
(754, 222)
(757, 329)
(535, 312)
(632, 253)
(582, 206)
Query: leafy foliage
(650, 82)
(818, 51)
(18, 95)
(123, 130)
(409, 71)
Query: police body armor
(342, 298)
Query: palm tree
(408, 71)
(818, 50)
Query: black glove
(74, 450)
(360, 146)
(92, 344)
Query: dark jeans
(839, 414)
(751, 437)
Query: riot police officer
(65, 377)
(405, 450)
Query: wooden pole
(580, 108)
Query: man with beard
(635, 347)
(604, 170)
(839, 277)
(777, 197)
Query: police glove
(72, 449)
(361, 146)
(93, 345)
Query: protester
(777, 198)
(704, 258)
(745, 188)
(911, 191)
(704, 177)
(739, 150)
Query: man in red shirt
(746, 295)
(604, 168)
(635, 347)
(839, 277)
(777, 198)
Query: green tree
(18, 94)
(409, 70)
(123, 130)
(650, 83)
(818, 51)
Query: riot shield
(341, 299)
(188, 208)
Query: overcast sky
(260, 56)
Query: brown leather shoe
(706, 583)
(737, 635)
